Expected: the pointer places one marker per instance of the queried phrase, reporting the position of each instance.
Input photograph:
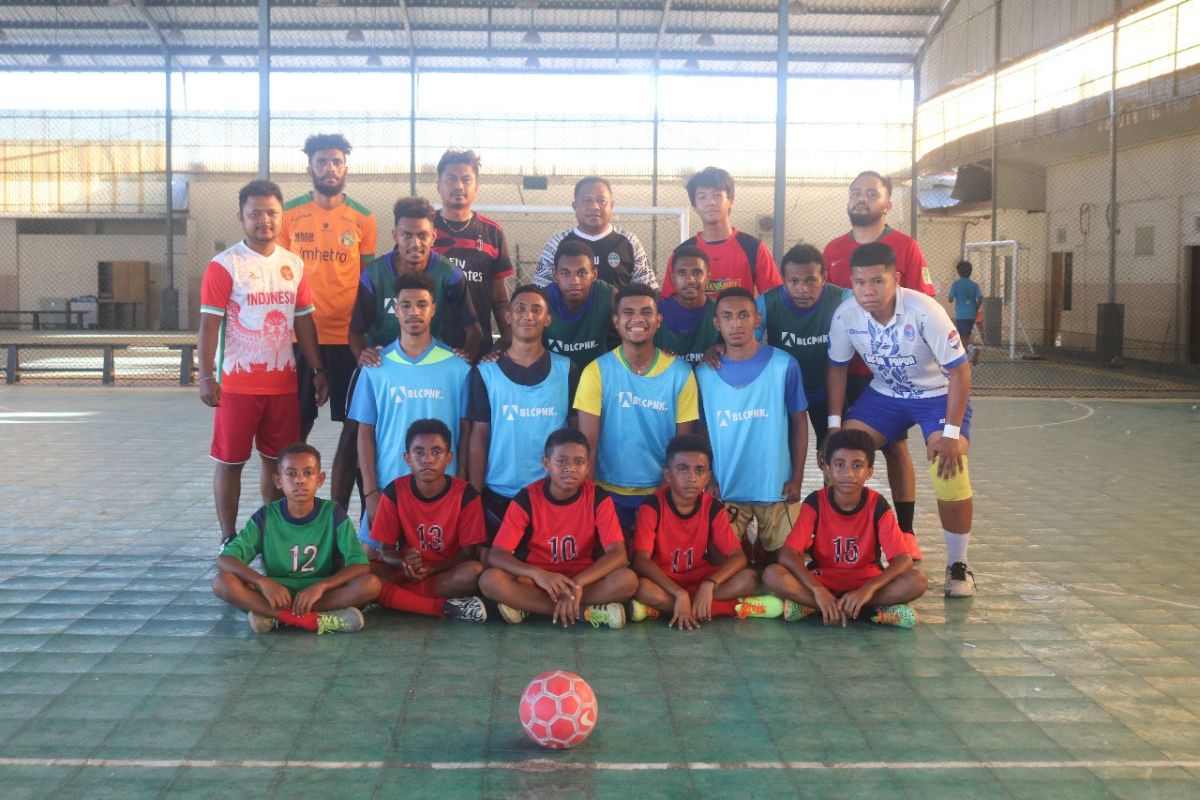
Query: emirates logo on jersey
(286, 272)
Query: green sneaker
(610, 614)
(640, 611)
(511, 615)
(766, 606)
(794, 612)
(901, 615)
(261, 624)
(346, 620)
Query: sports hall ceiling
(876, 38)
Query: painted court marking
(42, 417)
(551, 765)
(1090, 412)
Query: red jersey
(438, 526)
(911, 270)
(564, 536)
(731, 265)
(847, 542)
(677, 543)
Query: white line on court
(1090, 412)
(550, 765)
(5, 415)
(1123, 593)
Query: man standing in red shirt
(254, 297)
(870, 201)
(735, 258)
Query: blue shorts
(893, 416)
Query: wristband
(710, 580)
(373, 491)
(319, 370)
(207, 378)
(834, 421)
(951, 431)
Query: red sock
(308, 622)
(401, 599)
(723, 608)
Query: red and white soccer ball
(558, 709)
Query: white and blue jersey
(401, 391)
(522, 417)
(745, 405)
(909, 355)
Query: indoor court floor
(1075, 673)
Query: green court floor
(1074, 673)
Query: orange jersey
(334, 245)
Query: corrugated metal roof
(848, 37)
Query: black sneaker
(960, 580)
(468, 609)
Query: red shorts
(844, 580)
(425, 588)
(269, 421)
(690, 581)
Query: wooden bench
(13, 368)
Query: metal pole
(412, 126)
(1112, 162)
(1012, 301)
(264, 89)
(912, 176)
(170, 298)
(781, 79)
(995, 274)
(654, 177)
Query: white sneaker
(960, 580)
(469, 609)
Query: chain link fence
(87, 290)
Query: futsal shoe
(794, 612)
(469, 609)
(960, 580)
(901, 615)
(261, 624)
(766, 606)
(640, 611)
(341, 620)
(610, 614)
(512, 616)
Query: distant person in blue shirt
(966, 296)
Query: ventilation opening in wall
(1143, 240)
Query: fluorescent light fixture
(355, 34)
(532, 37)
(705, 40)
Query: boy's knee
(473, 569)
(773, 575)
(490, 581)
(629, 580)
(952, 489)
(371, 586)
(223, 585)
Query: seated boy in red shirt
(843, 528)
(427, 529)
(690, 562)
(560, 551)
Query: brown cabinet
(123, 288)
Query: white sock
(956, 546)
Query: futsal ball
(558, 709)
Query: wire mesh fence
(84, 244)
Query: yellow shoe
(764, 605)
(640, 611)
(511, 615)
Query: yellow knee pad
(950, 489)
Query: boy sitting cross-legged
(842, 528)
(427, 529)
(316, 573)
(560, 551)
(690, 562)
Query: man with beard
(618, 255)
(870, 201)
(474, 244)
(335, 237)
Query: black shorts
(339, 363)
(494, 507)
(965, 326)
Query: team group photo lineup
(596, 445)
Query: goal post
(527, 228)
(1010, 250)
